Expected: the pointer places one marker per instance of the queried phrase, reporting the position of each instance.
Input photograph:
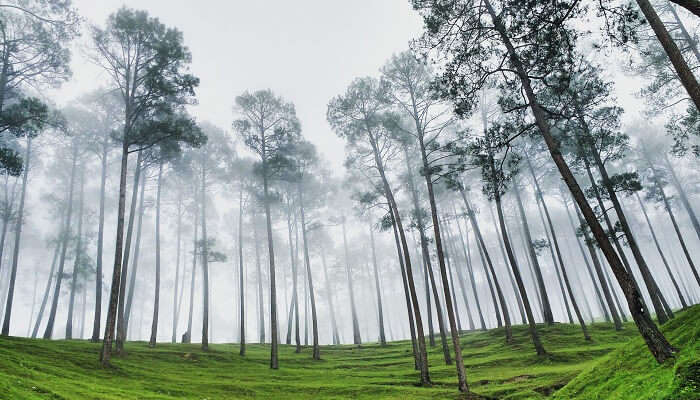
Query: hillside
(611, 366)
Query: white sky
(306, 51)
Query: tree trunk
(241, 272)
(334, 324)
(314, 321)
(661, 253)
(382, 337)
(100, 245)
(293, 321)
(137, 250)
(460, 276)
(599, 273)
(178, 288)
(691, 5)
(121, 322)
(470, 269)
(355, 324)
(64, 247)
(78, 255)
(31, 313)
(407, 295)
(448, 261)
(47, 290)
(261, 301)
(684, 199)
(274, 362)
(546, 307)
(187, 338)
(205, 259)
(156, 297)
(106, 352)
(18, 234)
(657, 343)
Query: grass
(613, 365)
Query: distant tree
(266, 124)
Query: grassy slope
(38, 369)
(632, 373)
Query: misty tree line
(488, 166)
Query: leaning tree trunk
(470, 269)
(64, 247)
(47, 291)
(407, 295)
(482, 246)
(355, 324)
(424, 373)
(599, 272)
(121, 322)
(78, 255)
(314, 321)
(382, 338)
(671, 48)
(156, 296)
(661, 253)
(100, 245)
(656, 341)
(460, 276)
(106, 351)
(18, 234)
(663, 312)
(135, 267)
(293, 317)
(546, 307)
(684, 197)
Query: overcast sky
(307, 51)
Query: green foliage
(39, 369)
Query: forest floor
(614, 365)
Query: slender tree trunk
(293, 316)
(671, 48)
(156, 297)
(187, 338)
(470, 268)
(485, 253)
(121, 322)
(178, 288)
(334, 324)
(506, 261)
(47, 290)
(657, 343)
(205, 260)
(355, 324)
(137, 250)
(100, 245)
(78, 256)
(31, 313)
(407, 295)
(241, 272)
(684, 199)
(460, 276)
(18, 234)
(661, 253)
(448, 261)
(382, 337)
(547, 308)
(64, 247)
(261, 304)
(599, 273)
(314, 321)
(106, 352)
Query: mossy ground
(40, 369)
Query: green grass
(40, 369)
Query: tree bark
(684, 199)
(205, 258)
(314, 321)
(691, 5)
(274, 362)
(18, 235)
(135, 267)
(178, 288)
(241, 272)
